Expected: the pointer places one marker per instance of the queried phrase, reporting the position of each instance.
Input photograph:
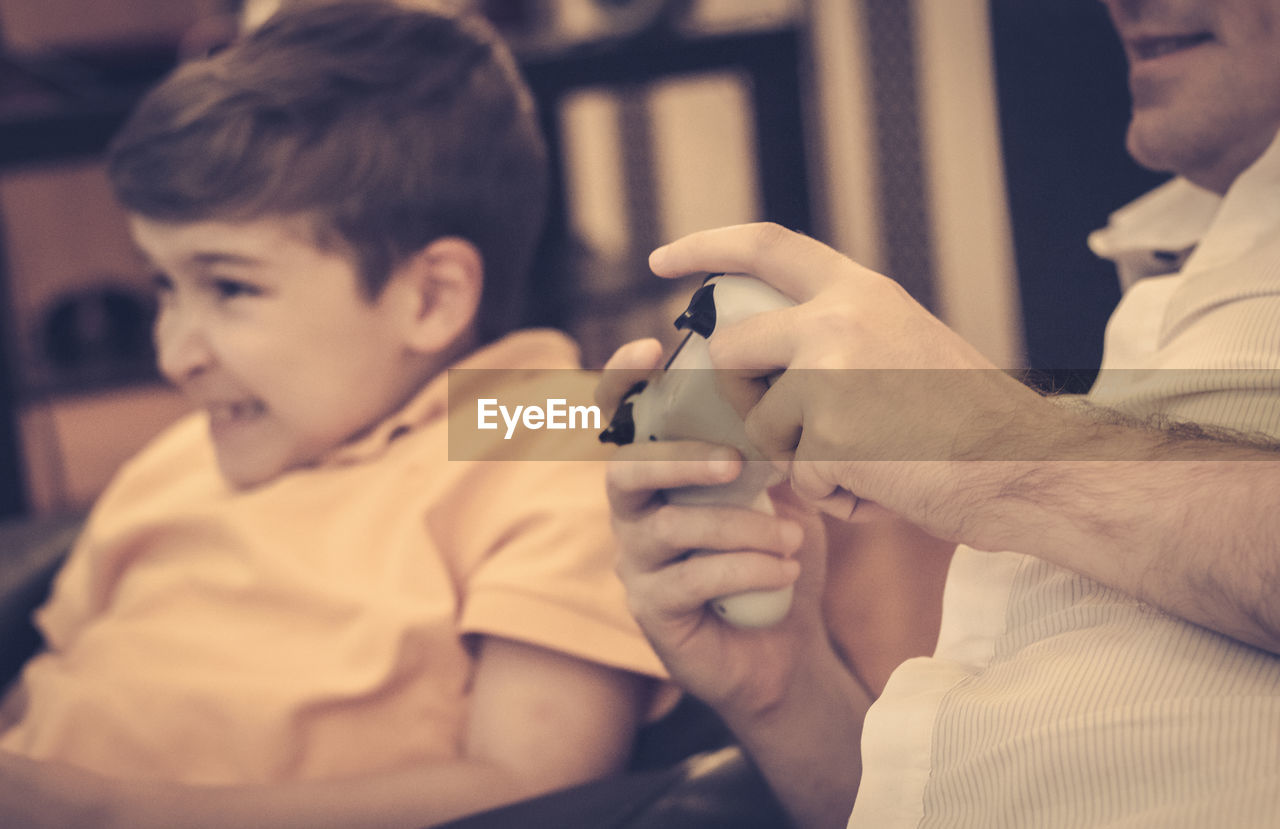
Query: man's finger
(761, 345)
(724, 528)
(795, 264)
(774, 425)
(687, 586)
(630, 364)
(637, 471)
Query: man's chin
(1149, 145)
(1161, 142)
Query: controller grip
(682, 402)
(754, 608)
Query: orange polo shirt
(317, 626)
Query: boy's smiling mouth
(231, 412)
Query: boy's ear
(445, 280)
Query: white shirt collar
(1179, 226)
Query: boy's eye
(232, 288)
(161, 283)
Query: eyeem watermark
(556, 413)
(889, 415)
(526, 415)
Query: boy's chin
(246, 473)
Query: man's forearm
(1186, 520)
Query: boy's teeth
(234, 411)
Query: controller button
(700, 316)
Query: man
(1055, 697)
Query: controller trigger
(622, 427)
(700, 316)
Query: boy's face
(271, 334)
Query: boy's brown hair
(387, 126)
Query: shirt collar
(1180, 226)
(1156, 233)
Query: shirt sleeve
(537, 565)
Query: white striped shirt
(1053, 701)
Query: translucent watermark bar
(894, 415)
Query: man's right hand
(738, 671)
(785, 693)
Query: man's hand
(782, 690)
(973, 456)
(740, 669)
(870, 376)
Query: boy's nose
(182, 347)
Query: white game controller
(682, 403)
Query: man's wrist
(820, 672)
(808, 745)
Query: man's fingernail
(724, 465)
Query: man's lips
(1152, 47)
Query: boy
(291, 609)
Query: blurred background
(963, 147)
